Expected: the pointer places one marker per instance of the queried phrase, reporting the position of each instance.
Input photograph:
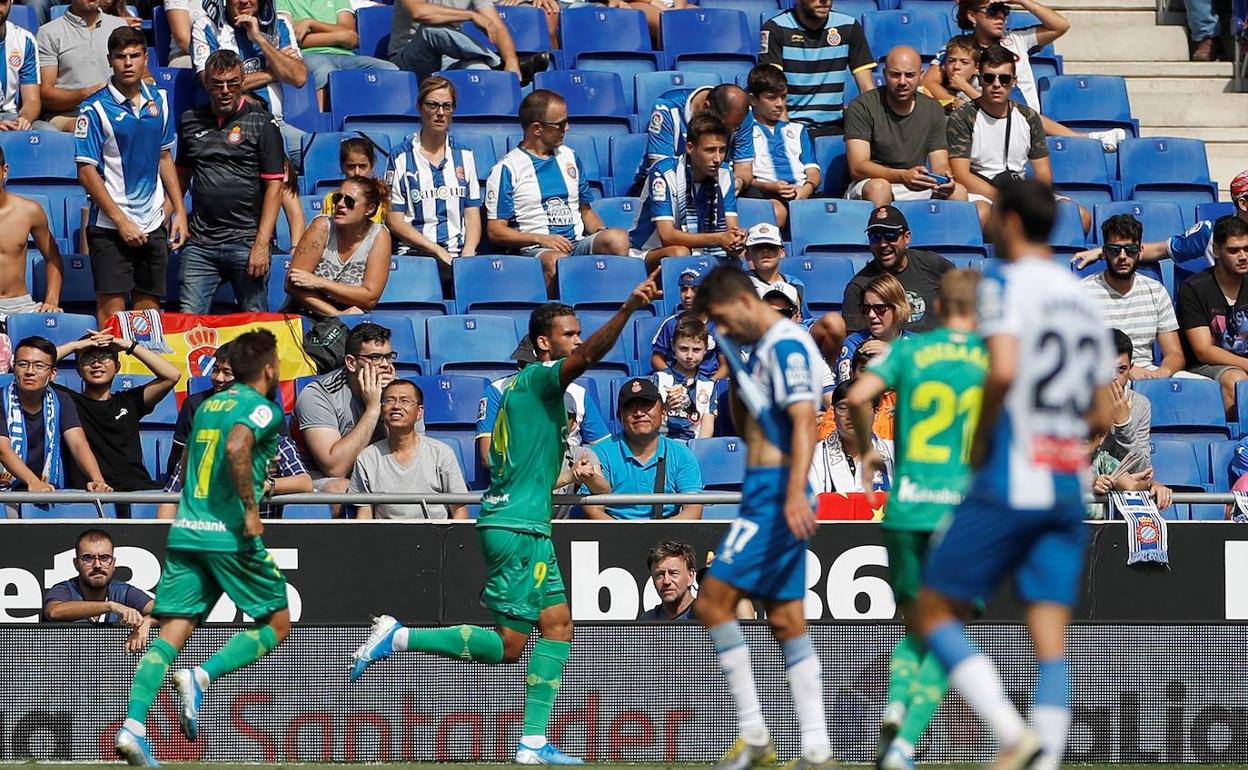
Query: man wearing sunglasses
(94, 597)
(918, 271)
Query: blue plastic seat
(628, 153)
(414, 284)
(73, 207)
(829, 226)
(825, 277)
(371, 93)
(833, 165)
(1214, 211)
(384, 131)
(649, 86)
(1079, 170)
(25, 17)
(716, 37)
(609, 40)
(669, 275)
(483, 152)
(301, 110)
(596, 109)
(1166, 169)
(68, 511)
(58, 327)
(644, 329)
(451, 400)
(501, 285)
(1087, 102)
(1160, 220)
(949, 227)
(39, 156)
(1068, 237)
(924, 30)
(527, 26)
(321, 170)
(856, 8)
(407, 336)
(182, 88)
(753, 10)
(1175, 465)
(372, 25)
(618, 212)
(307, 512)
(1221, 453)
(751, 211)
(464, 445)
(1189, 410)
(722, 461)
(1207, 512)
(601, 282)
(620, 359)
(485, 93)
(156, 445)
(471, 343)
(77, 285)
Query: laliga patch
(81, 127)
(656, 122)
(481, 409)
(658, 189)
(261, 416)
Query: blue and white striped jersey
(783, 365)
(124, 142)
(21, 65)
(434, 198)
(590, 426)
(667, 196)
(1196, 243)
(783, 153)
(540, 196)
(666, 129)
(207, 38)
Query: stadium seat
(669, 274)
(948, 227)
(483, 151)
(925, 31)
(618, 212)
(1221, 453)
(371, 93)
(162, 37)
(1067, 237)
(825, 277)
(25, 17)
(58, 327)
(74, 208)
(1079, 170)
(856, 8)
(414, 284)
(451, 401)
(181, 87)
(527, 26)
(407, 335)
(713, 39)
(722, 461)
(649, 86)
(723, 511)
(598, 282)
(39, 156)
(596, 107)
(1208, 512)
(321, 170)
(471, 344)
(1160, 220)
(485, 93)
(829, 226)
(155, 445)
(372, 25)
(644, 329)
(77, 286)
(300, 108)
(753, 10)
(69, 511)
(1166, 169)
(620, 359)
(499, 285)
(1087, 102)
(628, 153)
(307, 511)
(751, 211)
(833, 165)
(610, 40)
(1175, 465)
(1214, 211)
(1189, 410)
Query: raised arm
(600, 342)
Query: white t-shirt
(195, 8)
(1020, 42)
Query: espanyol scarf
(1146, 530)
(51, 471)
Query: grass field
(599, 766)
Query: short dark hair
(365, 332)
(542, 319)
(1033, 203)
(995, 56)
(91, 534)
(689, 325)
(705, 124)
(766, 79)
(222, 60)
(669, 548)
(841, 390)
(222, 356)
(42, 344)
(249, 353)
(1122, 343)
(1228, 227)
(534, 107)
(722, 284)
(126, 37)
(420, 394)
(1122, 227)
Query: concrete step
(1103, 5)
(1208, 135)
(1209, 89)
(1183, 109)
(1104, 43)
(1117, 19)
(1225, 161)
(1151, 69)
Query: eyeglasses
(560, 126)
(91, 356)
(878, 308)
(1114, 249)
(447, 107)
(876, 236)
(34, 366)
(344, 199)
(104, 559)
(404, 401)
(378, 358)
(992, 77)
(1001, 10)
(228, 85)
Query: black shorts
(120, 269)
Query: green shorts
(193, 581)
(907, 552)
(522, 576)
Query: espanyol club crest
(459, 174)
(153, 109)
(15, 59)
(235, 136)
(571, 169)
(834, 36)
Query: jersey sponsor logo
(796, 372)
(481, 409)
(1061, 455)
(656, 122)
(81, 127)
(764, 41)
(200, 134)
(909, 492)
(198, 526)
(658, 189)
(261, 416)
(1194, 228)
(918, 307)
(235, 136)
(834, 36)
(559, 214)
(795, 38)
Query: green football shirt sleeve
(889, 365)
(545, 380)
(262, 418)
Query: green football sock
(542, 683)
(925, 697)
(483, 645)
(903, 668)
(147, 679)
(244, 648)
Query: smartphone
(940, 180)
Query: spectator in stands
(819, 50)
(1109, 475)
(341, 264)
(230, 157)
(1204, 29)
(688, 394)
(895, 139)
(41, 424)
(325, 33)
(1132, 411)
(689, 205)
(292, 206)
(662, 351)
(111, 421)
(1196, 243)
(24, 220)
(286, 475)
(764, 249)
(435, 201)
(641, 460)
(959, 71)
(19, 92)
(673, 569)
(886, 405)
(1134, 303)
(357, 158)
(667, 131)
(121, 10)
(221, 376)
(427, 36)
(123, 142)
(339, 413)
(986, 21)
(783, 298)
(886, 310)
(181, 16)
(784, 167)
(1213, 311)
(835, 467)
(267, 45)
(94, 597)
(406, 461)
(74, 60)
(992, 140)
(919, 271)
(537, 197)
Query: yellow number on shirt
(208, 438)
(945, 406)
(539, 573)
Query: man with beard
(1213, 311)
(94, 597)
(1136, 304)
(673, 568)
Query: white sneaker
(1109, 139)
(1021, 756)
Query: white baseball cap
(763, 234)
(783, 288)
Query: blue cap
(690, 276)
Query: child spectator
(1108, 476)
(357, 158)
(688, 393)
(663, 355)
(958, 74)
(764, 249)
(785, 168)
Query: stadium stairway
(1169, 95)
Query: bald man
(672, 112)
(895, 139)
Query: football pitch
(591, 766)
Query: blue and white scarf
(1147, 539)
(704, 218)
(16, 422)
(1240, 510)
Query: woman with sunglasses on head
(343, 259)
(987, 22)
(435, 206)
(886, 309)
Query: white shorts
(900, 192)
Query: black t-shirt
(37, 452)
(920, 279)
(1202, 304)
(112, 428)
(228, 163)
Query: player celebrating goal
(214, 545)
(938, 377)
(523, 586)
(764, 553)
(1050, 364)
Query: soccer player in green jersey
(214, 545)
(523, 587)
(938, 377)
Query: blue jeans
(1202, 20)
(442, 48)
(203, 270)
(41, 7)
(321, 64)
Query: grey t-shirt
(329, 403)
(897, 141)
(434, 469)
(79, 52)
(403, 28)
